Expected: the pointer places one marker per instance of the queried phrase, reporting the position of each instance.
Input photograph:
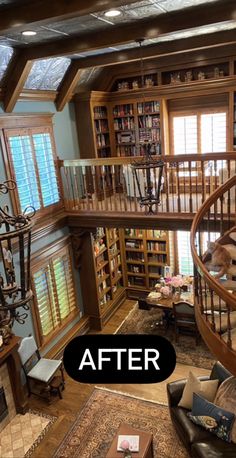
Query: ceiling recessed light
(112, 13)
(29, 33)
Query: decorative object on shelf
(148, 172)
(135, 84)
(15, 248)
(149, 82)
(175, 78)
(188, 76)
(123, 86)
(201, 76)
(216, 72)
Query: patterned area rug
(93, 431)
(143, 322)
(23, 434)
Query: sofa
(199, 442)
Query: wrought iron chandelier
(148, 171)
(15, 248)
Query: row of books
(103, 285)
(136, 281)
(159, 270)
(149, 121)
(156, 246)
(102, 140)
(112, 234)
(135, 257)
(155, 233)
(127, 150)
(101, 125)
(100, 112)
(148, 107)
(134, 232)
(157, 258)
(114, 249)
(115, 262)
(123, 110)
(151, 135)
(137, 244)
(124, 124)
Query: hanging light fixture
(147, 172)
(15, 247)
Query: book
(132, 440)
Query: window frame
(39, 260)
(36, 123)
(198, 112)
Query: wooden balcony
(104, 190)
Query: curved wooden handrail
(231, 155)
(214, 284)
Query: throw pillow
(206, 388)
(226, 398)
(211, 417)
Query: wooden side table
(145, 443)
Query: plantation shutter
(185, 260)
(54, 291)
(45, 300)
(185, 134)
(213, 133)
(23, 164)
(46, 168)
(64, 285)
(33, 164)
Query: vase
(176, 292)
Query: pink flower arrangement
(177, 281)
(165, 290)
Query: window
(200, 133)
(32, 164)
(185, 260)
(54, 293)
(185, 134)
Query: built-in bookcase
(102, 279)
(101, 131)
(135, 124)
(146, 255)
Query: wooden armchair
(184, 319)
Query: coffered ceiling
(75, 35)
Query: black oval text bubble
(117, 358)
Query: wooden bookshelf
(101, 131)
(101, 275)
(146, 255)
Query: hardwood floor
(75, 394)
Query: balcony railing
(108, 184)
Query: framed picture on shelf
(167, 271)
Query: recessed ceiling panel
(46, 74)
(5, 57)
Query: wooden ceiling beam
(175, 47)
(20, 15)
(67, 86)
(15, 80)
(206, 14)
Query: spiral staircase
(215, 300)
